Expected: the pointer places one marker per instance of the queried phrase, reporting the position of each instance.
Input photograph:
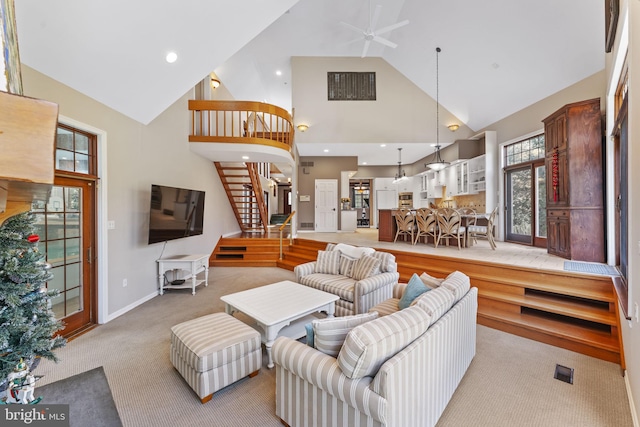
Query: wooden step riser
(238, 256)
(584, 313)
(566, 343)
(260, 248)
(236, 263)
(594, 287)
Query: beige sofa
(397, 370)
(357, 295)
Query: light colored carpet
(510, 382)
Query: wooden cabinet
(575, 204)
(386, 225)
(558, 233)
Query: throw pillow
(414, 289)
(346, 265)
(371, 344)
(354, 252)
(458, 283)
(432, 282)
(436, 303)
(329, 333)
(328, 262)
(310, 336)
(366, 266)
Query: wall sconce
(454, 127)
(302, 127)
(214, 82)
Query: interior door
(326, 211)
(66, 225)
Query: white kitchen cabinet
(477, 169)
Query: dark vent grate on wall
(351, 86)
(306, 225)
(306, 164)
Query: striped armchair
(397, 370)
(358, 292)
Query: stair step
(242, 263)
(592, 311)
(573, 337)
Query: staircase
(578, 312)
(242, 184)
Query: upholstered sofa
(359, 289)
(396, 370)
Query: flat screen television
(175, 213)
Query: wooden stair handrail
(257, 190)
(284, 224)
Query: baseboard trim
(632, 406)
(130, 307)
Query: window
(525, 151)
(351, 86)
(75, 150)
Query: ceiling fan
(371, 34)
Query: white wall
(137, 156)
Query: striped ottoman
(213, 351)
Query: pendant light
(400, 176)
(437, 164)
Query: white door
(326, 205)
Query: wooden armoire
(574, 178)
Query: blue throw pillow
(413, 290)
(310, 334)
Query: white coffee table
(281, 308)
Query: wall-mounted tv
(175, 213)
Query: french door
(526, 204)
(66, 226)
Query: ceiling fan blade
(392, 27)
(366, 48)
(376, 15)
(385, 42)
(352, 27)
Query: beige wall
(323, 168)
(137, 156)
(399, 103)
(529, 119)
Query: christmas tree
(27, 324)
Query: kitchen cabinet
(477, 175)
(575, 203)
(457, 179)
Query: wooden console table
(194, 264)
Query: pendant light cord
(437, 103)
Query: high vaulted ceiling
(502, 55)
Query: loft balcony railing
(241, 122)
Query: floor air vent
(564, 374)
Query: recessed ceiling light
(278, 73)
(383, 145)
(245, 157)
(364, 163)
(171, 57)
(326, 151)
